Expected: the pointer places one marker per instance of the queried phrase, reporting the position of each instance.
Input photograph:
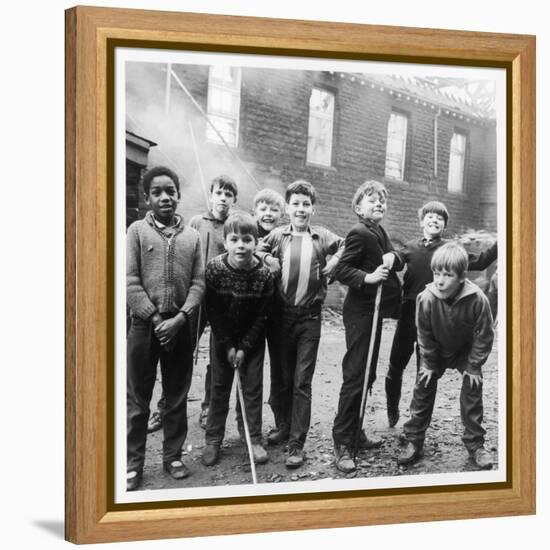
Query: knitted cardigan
(164, 275)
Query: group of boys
(255, 280)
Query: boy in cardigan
(165, 285)
(302, 250)
(239, 292)
(368, 260)
(417, 255)
(223, 195)
(455, 330)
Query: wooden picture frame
(91, 35)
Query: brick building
(333, 129)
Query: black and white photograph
(308, 292)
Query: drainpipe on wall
(168, 87)
(436, 127)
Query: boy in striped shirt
(300, 250)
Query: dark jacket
(460, 330)
(366, 243)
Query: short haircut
(437, 208)
(268, 196)
(450, 257)
(301, 187)
(240, 223)
(370, 187)
(224, 182)
(152, 173)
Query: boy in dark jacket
(417, 255)
(165, 285)
(455, 330)
(368, 260)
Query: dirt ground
(444, 451)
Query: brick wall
(273, 143)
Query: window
(396, 146)
(321, 120)
(224, 99)
(456, 163)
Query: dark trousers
(358, 327)
(144, 352)
(404, 341)
(276, 372)
(471, 409)
(298, 335)
(222, 380)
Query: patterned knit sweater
(163, 274)
(238, 303)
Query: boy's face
(299, 209)
(240, 248)
(163, 198)
(447, 282)
(267, 214)
(221, 200)
(372, 207)
(433, 225)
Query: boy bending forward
(455, 330)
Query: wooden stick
(245, 424)
(200, 306)
(368, 367)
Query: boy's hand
(425, 375)
(381, 273)
(388, 259)
(231, 356)
(475, 379)
(166, 330)
(239, 359)
(273, 265)
(329, 267)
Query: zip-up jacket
(460, 329)
(163, 274)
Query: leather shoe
(343, 459)
(278, 434)
(177, 469)
(259, 453)
(295, 458)
(410, 454)
(366, 443)
(210, 455)
(133, 479)
(482, 459)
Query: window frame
(332, 118)
(405, 140)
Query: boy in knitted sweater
(165, 285)
(239, 291)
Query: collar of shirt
(427, 242)
(289, 230)
(160, 225)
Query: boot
(410, 455)
(393, 395)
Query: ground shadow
(56, 528)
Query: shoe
(295, 458)
(177, 469)
(155, 422)
(133, 479)
(203, 418)
(343, 459)
(410, 454)
(481, 458)
(211, 454)
(278, 434)
(259, 453)
(393, 395)
(366, 443)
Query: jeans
(471, 408)
(358, 326)
(144, 352)
(298, 335)
(404, 340)
(222, 380)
